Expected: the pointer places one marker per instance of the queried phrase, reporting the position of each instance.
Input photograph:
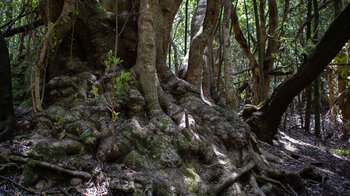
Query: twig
(296, 194)
(15, 183)
(234, 177)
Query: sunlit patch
(222, 159)
(192, 179)
(294, 141)
(289, 146)
(191, 123)
(206, 100)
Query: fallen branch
(234, 177)
(37, 163)
(18, 185)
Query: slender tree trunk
(239, 36)
(260, 47)
(308, 90)
(186, 27)
(230, 102)
(272, 46)
(330, 93)
(176, 61)
(317, 80)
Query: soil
(296, 148)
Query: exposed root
(37, 163)
(234, 177)
(4, 166)
(270, 180)
(256, 188)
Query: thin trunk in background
(330, 93)
(229, 95)
(186, 27)
(260, 53)
(308, 90)
(317, 80)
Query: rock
(76, 181)
(41, 185)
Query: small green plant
(94, 90)
(341, 151)
(83, 134)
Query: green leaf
(115, 116)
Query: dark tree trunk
(6, 107)
(266, 120)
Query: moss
(29, 175)
(50, 154)
(132, 138)
(136, 161)
(191, 179)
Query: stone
(76, 181)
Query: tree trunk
(230, 102)
(146, 55)
(272, 46)
(266, 120)
(199, 42)
(6, 111)
(308, 90)
(59, 30)
(261, 49)
(330, 93)
(317, 80)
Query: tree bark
(272, 46)
(266, 120)
(146, 55)
(6, 111)
(199, 42)
(230, 102)
(260, 46)
(330, 93)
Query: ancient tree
(177, 142)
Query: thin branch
(24, 28)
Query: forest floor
(296, 148)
